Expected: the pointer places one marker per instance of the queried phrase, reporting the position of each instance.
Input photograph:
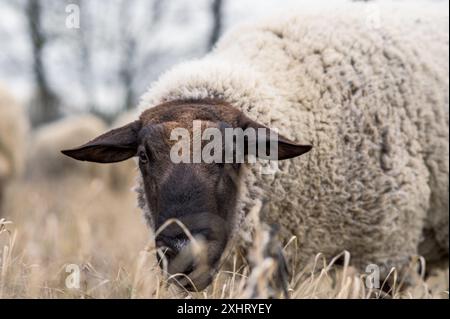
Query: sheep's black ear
(114, 146)
(277, 146)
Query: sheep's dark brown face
(199, 195)
(190, 203)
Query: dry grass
(48, 226)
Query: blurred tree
(107, 63)
(123, 36)
(85, 46)
(45, 103)
(217, 16)
(130, 37)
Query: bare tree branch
(216, 31)
(45, 106)
(129, 69)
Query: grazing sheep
(45, 160)
(13, 128)
(371, 99)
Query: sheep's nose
(169, 250)
(171, 247)
(165, 253)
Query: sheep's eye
(143, 157)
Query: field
(50, 228)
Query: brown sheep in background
(13, 128)
(44, 159)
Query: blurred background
(59, 64)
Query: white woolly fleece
(369, 89)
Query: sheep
(13, 130)
(44, 159)
(367, 104)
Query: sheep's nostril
(175, 254)
(170, 254)
(165, 254)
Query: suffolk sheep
(13, 129)
(45, 160)
(367, 103)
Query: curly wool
(373, 100)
